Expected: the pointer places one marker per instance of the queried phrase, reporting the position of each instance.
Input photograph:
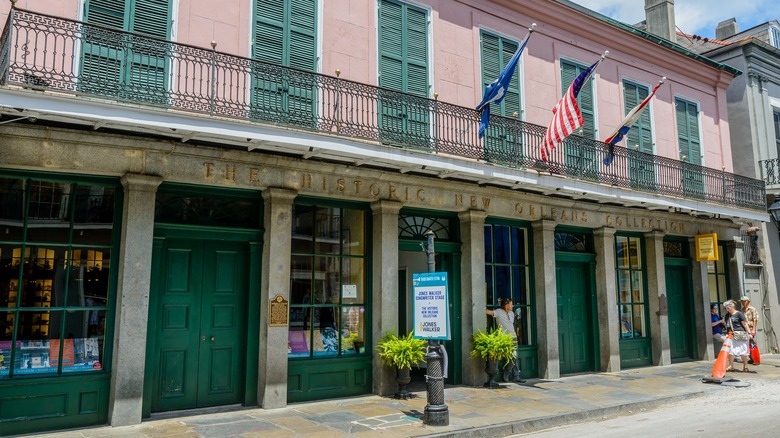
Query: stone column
(274, 280)
(606, 299)
(701, 306)
(132, 317)
(472, 267)
(656, 298)
(384, 293)
(545, 291)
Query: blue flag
(495, 92)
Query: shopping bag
(722, 362)
(755, 355)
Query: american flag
(566, 114)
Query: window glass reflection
(48, 218)
(353, 330)
(93, 217)
(11, 209)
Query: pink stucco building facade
(302, 149)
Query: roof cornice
(650, 37)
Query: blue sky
(698, 17)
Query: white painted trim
(251, 34)
(318, 33)
(174, 20)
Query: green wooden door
(200, 326)
(680, 328)
(412, 261)
(575, 348)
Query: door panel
(680, 342)
(201, 330)
(574, 346)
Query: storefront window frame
(627, 328)
(25, 244)
(364, 308)
(529, 307)
(717, 276)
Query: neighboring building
(754, 119)
(164, 196)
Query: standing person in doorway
(717, 324)
(737, 325)
(505, 318)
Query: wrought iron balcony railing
(45, 52)
(770, 171)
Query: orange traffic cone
(722, 362)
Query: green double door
(575, 318)
(681, 333)
(198, 324)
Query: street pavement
(473, 411)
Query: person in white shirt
(505, 318)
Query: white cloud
(698, 17)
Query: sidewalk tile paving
(473, 411)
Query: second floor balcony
(71, 58)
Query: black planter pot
(491, 368)
(403, 378)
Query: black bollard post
(436, 411)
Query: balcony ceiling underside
(187, 127)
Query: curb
(551, 421)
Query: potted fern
(493, 346)
(401, 352)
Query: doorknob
(212, 339)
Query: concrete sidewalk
(474, 412)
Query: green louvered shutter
(580, 156)
(417, 76)
(391, 70)
(687, 115)
(126, 66)
(403, 66)
(285, 35)
(101, 66)
(569, 72)
(149, 60)
(500, 142)
(639, 139)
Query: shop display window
(327, 283)
(632, 309)
(55, 272)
